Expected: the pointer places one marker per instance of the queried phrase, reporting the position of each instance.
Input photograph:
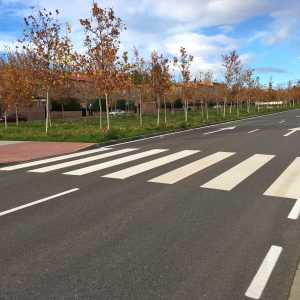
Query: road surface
(210, 213)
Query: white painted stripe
(37, 202)
(253, 131)
(263, 274)
(295, 212)
(287, 184)
(231, 178)
(113, 163)
(81, 161)
(150, 165)
(192, 168)
(281, 122)
(53, 159)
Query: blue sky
(265, 33)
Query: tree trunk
(165, 106)
(140, 109)
(186, 111)
(63, 110)
(158, 111)
(224, 104)
(100, 113)
(47, 112)
(237, 106)
(107, 112)
(5, 119)
(206, 104)
(17, 116)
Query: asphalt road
(135, 234)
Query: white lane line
(253, 131)
(192, 168)
(53, 159)
(263, 274)
(81, 161)
(150, 165)
(295, 212)
(287, 185)
(231, 178)
(281, 122)
(113, 163)
(297, 116)
(37, 202)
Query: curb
(295, 288)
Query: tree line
(45, 64)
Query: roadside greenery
(86, 129)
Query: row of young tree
(45, 64)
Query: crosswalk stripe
(53, 159)
(81, 161)
(287, 184)
(128, 172)
(113, 163)
(192, 168)
(231, 178)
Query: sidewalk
(11, 151)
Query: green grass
(87, 130)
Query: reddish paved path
(20, 151)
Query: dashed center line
(281, 122)
(253, 130)
(263, 274)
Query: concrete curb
(295, 289)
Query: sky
(265, 33)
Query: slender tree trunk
(86, 111)
(47, 112)
(107, 112)
(140, 109)
(158, 111)
(185, 110)
(17, 116)
(165, 106)
(63, 110)
(248, 106)
(237, 106)
(224, 104)
(100, 113)
(230, 109)
(5, 120)
(206, 104)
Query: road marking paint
(287, 185)
(197, 128)
(231, 178)
(297, 116)
(292, 130)
(219, 130)
(150, 165)
(115, 162)
(263, 274)
(295, 212)
(53, 159)
(37, 202)
(253, 130)
(192, 168)
(281, 122)
(81, 161)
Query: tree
(249, 82)
(183, 63)
(231, 63)
(160, 81)
(49, 50)
(102, 41)
(17, 81)
(139, 79)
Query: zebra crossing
(287, 185)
